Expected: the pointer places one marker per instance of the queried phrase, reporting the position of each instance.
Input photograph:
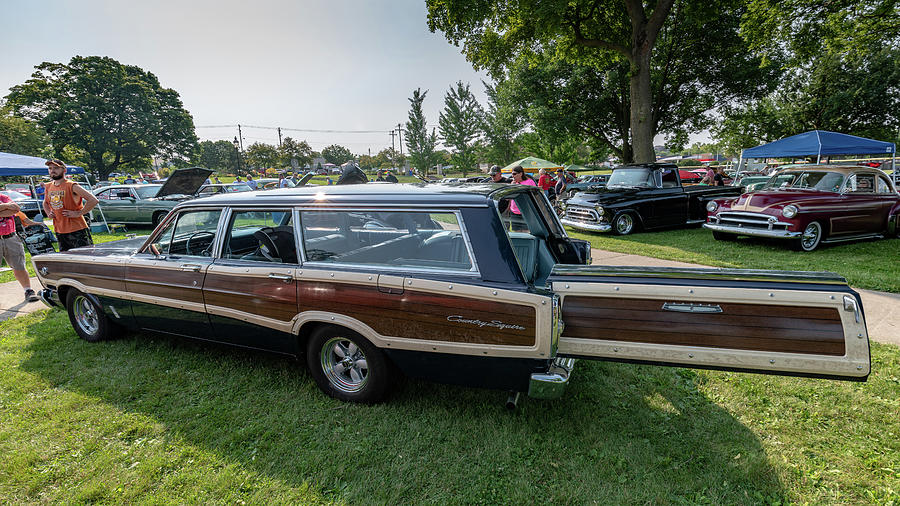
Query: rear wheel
(811, 237)
(346, 366)
(88, 318)
(624, 224)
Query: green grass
(165, 420)
(874, 265)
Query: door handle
(283, 277)
(191, 267)
(851, 305)
(690, 307)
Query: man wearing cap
(11, 247)
(66, 203)
(497, 176)
(560, 182)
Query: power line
(311, 130)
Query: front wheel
(88, 318)
(346, 366)
(624, 224)
(811, 237)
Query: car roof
(431, 194)
(845, 169)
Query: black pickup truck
(642, 196)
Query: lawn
(164, 420)
(874, 265)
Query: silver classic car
(476, 284)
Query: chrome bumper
(552, 383)
(50, 297)
(602, 227)
(755, 232)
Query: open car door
(789, 323)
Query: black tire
(158, 216)
(723, 236)
(624, 223)
(348, 367)
(811, 238)
(88, 318)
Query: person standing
(545, 182)
(11, 248)
(560, 187)
(251, 183)
(497, 175)
(719, 177)
(66, 203)
(282, 182)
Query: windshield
(809, 180)
(146, 192)
(236, 188)
(630, 178)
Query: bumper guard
(754, 232)
(552, 383)
(50, 297)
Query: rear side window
(418, 240)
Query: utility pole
(392, 146)
(279, 137)
(240, 137)
(400, 138)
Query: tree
(607, 35)
(419, 142)
(295, 150)
(460, 125)
(337, 154)
(501, 123)
(389, 158)
(118, 114)
(217, 155)
(23, 137)
(260, 155)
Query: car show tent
(20, 165)
(531, 165)
(818, 143)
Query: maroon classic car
(816, 204)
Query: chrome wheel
(344, 364)
(85, 314)
(811, 237)
(624, 224)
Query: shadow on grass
(621, 433)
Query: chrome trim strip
(690, 307)
(603, 227)
(755, 232)
(819, 277)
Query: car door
(792, 323)
(860, 209)
(250, 291)
(110, 204)
(165, 279)
(669, 203)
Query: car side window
(883, 185)
(191, 233)
(261, 236)
(861, 183)
(418, 240)
(104, 195)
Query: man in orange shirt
(66, 203)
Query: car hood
(760, 201)
(184, 182)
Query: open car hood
(184, 182)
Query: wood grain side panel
(420, 315)
(791, 329)
(165, 283)
(269, 298)
(99, 275)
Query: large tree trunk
(641, 106)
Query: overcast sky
(303, 64)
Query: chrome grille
(750, 220)
(582, 214)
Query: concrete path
(882, 309)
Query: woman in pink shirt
(519, 177)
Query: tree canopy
(460, 125)
(419, 142)
(119, 115)
(23, 137)
(664, 64)
(216, 155)
(337, 154)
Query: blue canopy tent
(21, 165)
(818, 143)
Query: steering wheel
(267, 247)
(204, 251)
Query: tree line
(573, 81)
